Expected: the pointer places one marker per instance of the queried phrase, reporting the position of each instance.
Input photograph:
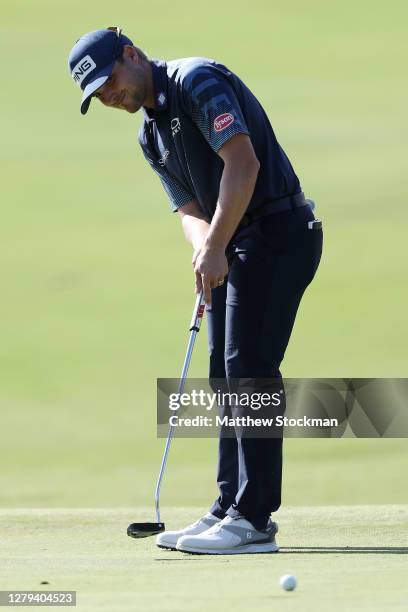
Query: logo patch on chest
(162, 160)
(161, 98)
(175, 126)
(223, 121)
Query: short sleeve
(214, 106)
(177, 194)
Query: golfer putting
(255, 247)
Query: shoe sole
(166, 547)
(256, 549)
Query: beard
(136, 96)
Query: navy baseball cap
(92, 59)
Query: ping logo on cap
(82, 69)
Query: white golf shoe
(229, 537)
(169, 539)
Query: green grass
(96, 281)
(344, 559)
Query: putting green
(345, 558)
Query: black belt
(274, 206)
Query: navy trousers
(272, 261)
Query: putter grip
(198, 313)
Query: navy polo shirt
(200, 105)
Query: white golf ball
(288, 582)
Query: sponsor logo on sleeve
(82, 69)
(223, 121)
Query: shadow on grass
(359, 550)
(303, 550)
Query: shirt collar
(160, 86)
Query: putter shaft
(195, 325)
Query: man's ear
(130, 52)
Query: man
(255, 243)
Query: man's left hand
(211, 267)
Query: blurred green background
(96, 284)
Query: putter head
(144, 530)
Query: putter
(144, 530)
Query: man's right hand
(211, 268)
